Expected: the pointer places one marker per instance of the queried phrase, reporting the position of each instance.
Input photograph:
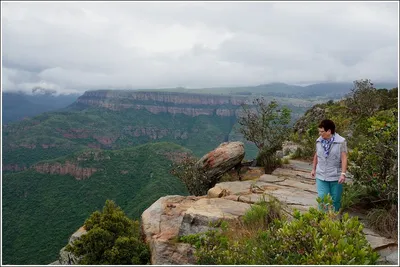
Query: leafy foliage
(111, 238)
(378, 170)
(313, 238)
(196, 181)
(267, 126)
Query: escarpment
(163, 102)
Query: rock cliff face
(72, 167)
(63, 169)
(163, 102)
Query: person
(330, 163)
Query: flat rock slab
(294, 196)
(204, 212)
(286, 172)
(300, 165)
(378, 242)
(311, 187)
(270, 178)
(234, 188)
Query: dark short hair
(327, 125)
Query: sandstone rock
(292, 173)
(204, 212)
(166, 102)
(68, 258)
(160, 224)
(270, 178)
(226, 156)
(217, 192)
(67, 168)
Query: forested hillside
(41, 210)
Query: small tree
(196, 181)
(112, 239)
(363, 100)
(267, 126)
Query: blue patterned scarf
(326, 144)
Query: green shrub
(313, 238)
(353, 195)
(263, 213)
(378, 171)
(112, 239)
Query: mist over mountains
(19, 105)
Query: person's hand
(342, 179)
(313, 173)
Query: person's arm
(343, 157)
(315, 162)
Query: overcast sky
(81, 46)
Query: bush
(384, 221)
(378, 171)
(263, 213)
(312, 238)
(112, 239)
(197, 183)
(353, 195)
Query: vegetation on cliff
(111, 239)
(312, 238)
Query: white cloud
(81, 46)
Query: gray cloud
(81, 46)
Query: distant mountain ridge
(17, 106)
(326, 89)
(190, 104)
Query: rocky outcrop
(164, 102)
(313, 116)
(67, 168)
(173, 216)
(222, 159)
(13, 167)
(68, 258)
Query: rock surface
(68, 258)
(173, 216)
(222, 159)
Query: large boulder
(222, 159)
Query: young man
(330, 162)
